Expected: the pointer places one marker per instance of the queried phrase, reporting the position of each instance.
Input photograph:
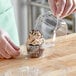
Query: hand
(62, 8)
(7, 48)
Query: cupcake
(34, 44)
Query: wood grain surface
(56, 61)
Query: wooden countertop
(62, 56)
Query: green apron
(7, 20)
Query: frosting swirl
(35, 38)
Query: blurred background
(27, 11)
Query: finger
(10, 50)
(73, 8)
(52, 4)
(12, 44)
(1, 57)
(74, 11)
(68, 7)
(60, 7)
(4, 54)
(70, 13)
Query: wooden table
(57, 58)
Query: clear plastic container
(47, 23)
(49, 26)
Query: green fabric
(4, 4)
(7, 20)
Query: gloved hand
(62, 8)
(7, 48)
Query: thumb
(53, 7)
(12, 44)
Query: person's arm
(7, 22)
(7, 48)
(62, 8)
